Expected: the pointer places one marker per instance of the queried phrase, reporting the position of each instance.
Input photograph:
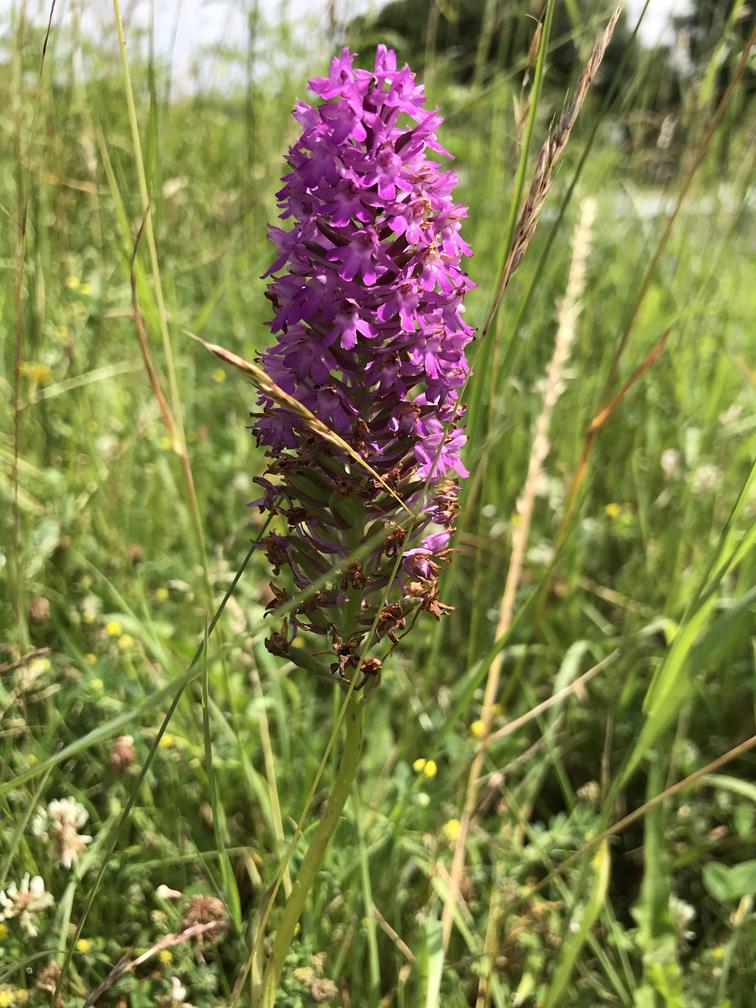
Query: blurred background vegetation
(110, 570)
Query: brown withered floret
(276, 552)
(278, 643)
(346, 653)
(394, 541)
(355, 577)
(371, 670)
(280, 597)
(390, 619)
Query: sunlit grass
(105, 581)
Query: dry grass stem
(265, 384)
(126, 965)
(554, 386)
(548, 158)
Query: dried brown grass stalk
(554, 385)
(608, 403)
(126, 965)
(548, 158)
(265, 384)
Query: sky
(183, 28)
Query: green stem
(292, 911)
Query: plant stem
(313, 859)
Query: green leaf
(734, 784)
(729, 884)
(572, 946)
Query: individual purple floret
(367, 291)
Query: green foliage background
(102, 566)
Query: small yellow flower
(219, 375)
(125, 641)
(451, 830)
(88, 616)
(496, 709)
(31, 759)
(718, 952)
(477, 729)
(21, 996)
(113, 628)
(90, 659)
(73, 283)
(6, 998)
(430, 769)
(613, 510)
(39, 666)
(97, 684)
(86, 289)
(3, 930)
(61, 332)
(167, 741)
(165, 442)
(84, 945)
(165, 956)
(39, 373)
(427, 767)
(162, 594)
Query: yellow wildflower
(427, 767)
(21, 996)
(451, 830)
(613, 510)
(39, 373)
(97, 684)
(84, 945)
(477, 729)
(31, 759)
(86, 289)
(6, 997)
(165, 442)
(38, 667)
(166, 741)
(161, 594)
(430, 769)
(166, 956)
(73, 283)
(219, 375)
(125, 641)
(113, 628)
(90, 659)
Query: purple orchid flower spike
(367, 290)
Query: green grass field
(636, 548)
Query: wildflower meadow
(377, 544)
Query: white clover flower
(61, 823)
(178, 991)
(165, 892)
(705, 478)
(682, 914)
(24, 902)
(670, 461)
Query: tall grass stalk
(554, 384)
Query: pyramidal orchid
(366, 288)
